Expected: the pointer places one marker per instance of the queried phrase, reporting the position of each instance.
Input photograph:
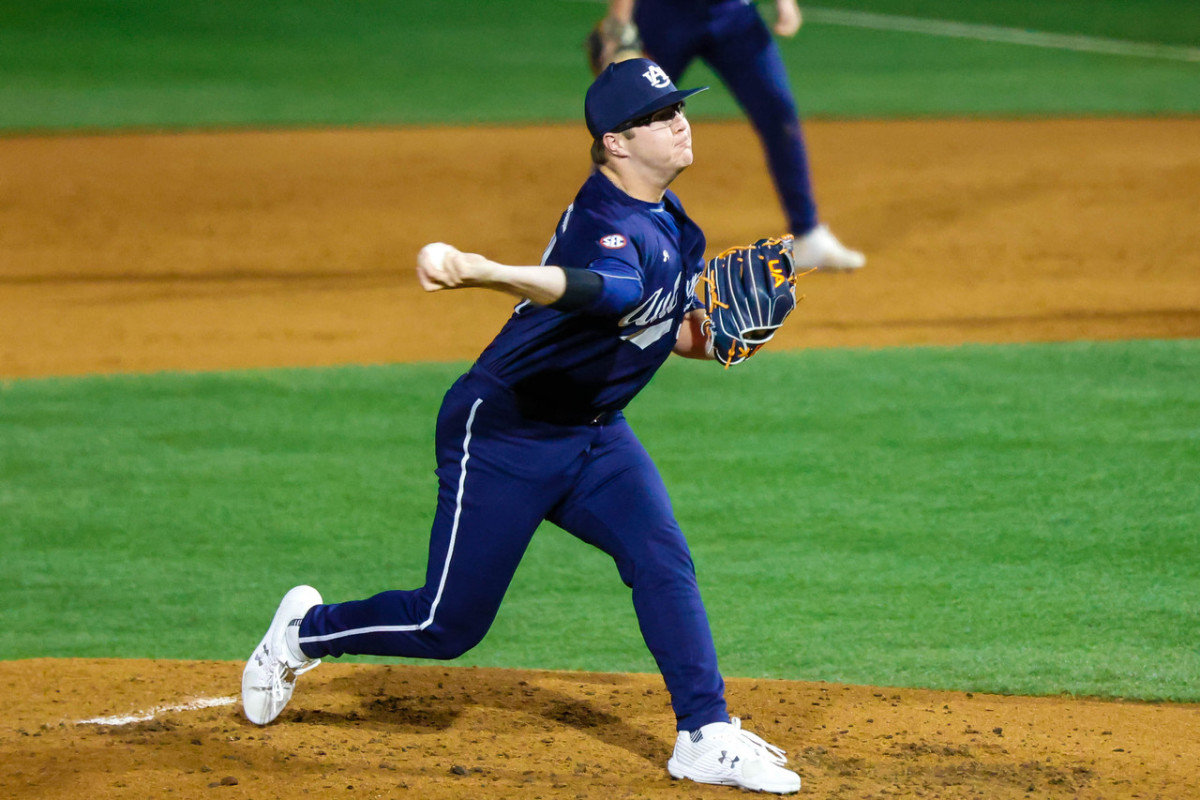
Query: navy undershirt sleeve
(608, 288)
(583, 287)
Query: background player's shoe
(821, 250)
(270, 674)
(723, 753)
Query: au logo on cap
(658, 79)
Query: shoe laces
(284, 675)
(772, 753)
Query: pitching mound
(119, 729)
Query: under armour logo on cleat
(725, 755)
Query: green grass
(1017, 519)
(86, 64)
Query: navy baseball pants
(500, 474)
(731, 37)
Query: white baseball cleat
(723, 753)
(270, 674)
(821, 250)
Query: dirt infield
(225, 250)
(211, 251)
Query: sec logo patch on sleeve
(614, 241)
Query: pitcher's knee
(447, 641)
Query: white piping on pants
(462, 479)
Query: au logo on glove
(777, 273)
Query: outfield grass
(71, 64)
(1015, 519)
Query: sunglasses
(662, 117)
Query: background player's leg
(671, 32)
(620, 505)
(494, 490)
(751, 66)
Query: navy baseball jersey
(583, 363)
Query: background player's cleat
(723, 753)
(820, 249)
(270, 674)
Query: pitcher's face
(663, 140)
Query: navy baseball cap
(627, 90)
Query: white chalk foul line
(995, 33)
(989, 33)
(146, 716)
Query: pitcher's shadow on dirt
(390, 703)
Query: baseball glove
(611, 41)
(748, 292)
